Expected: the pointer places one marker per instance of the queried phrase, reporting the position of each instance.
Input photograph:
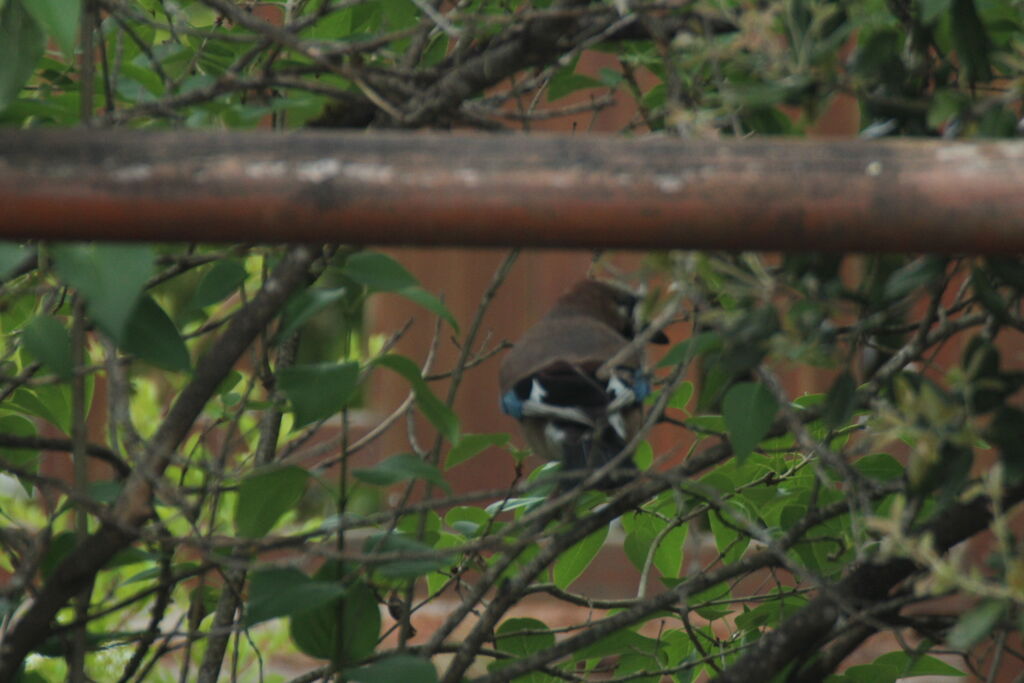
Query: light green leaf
(402, 467)
(48, 341)
(395, 669)
(153, 337)
(21, 45)
(286, 591)
(109, 276)
(438, 413)
(318, 391)
(471, 445)
(266, 495)
(59, 18)
(748, 410)
(574, 561)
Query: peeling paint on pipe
(532, 191)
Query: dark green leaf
(931, 9)
(304, 306)
(316, 632)
(572, 563)
(988, 296)
(910, 664)
(748, 410)
(109, 276)
(395, 669)
(685, 351)
(378, 271)
(265, 495)
(1008, 270)
(430, 302)
(226, 276)
(287, 591)
(915, 274)
(318, 391)
(48, 341)
(443, 419)
(22, 458)
(21, 46)
(404, 569)
(153, 337)
(402, 467)
(842, 399)
(971, 40)
(880, 466)
(974, 625)
(12, 254)
(470, 445)
(59, 18)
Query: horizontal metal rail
(532, 191)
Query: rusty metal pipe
(532, 191)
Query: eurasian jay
(550, 383)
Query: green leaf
(946, 105)
(12, 254)
(402, 467)
(880, 466)
(59, 18)
(522, 636)
(443, 419)
(48, 341)
(282, 592)
(394, 669)
(974, 625)
(21, 45)
(841, 401)
(471, 445)
(915, 274)
(381, 273)
(378, 272)
(316, 632)
(109, 276)
(932, 9)
(971, 41)
(685, 351)
(265, 495)
(988, 296)
(318, 391)
(910, 664)
(219, 282)
(153, 337)
(404, 569)
(22, 458)
(304, 306)
(430, 302)
(572, 563)
(748, 410)
(565, 83)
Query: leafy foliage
(208, 494)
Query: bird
(550, 382)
